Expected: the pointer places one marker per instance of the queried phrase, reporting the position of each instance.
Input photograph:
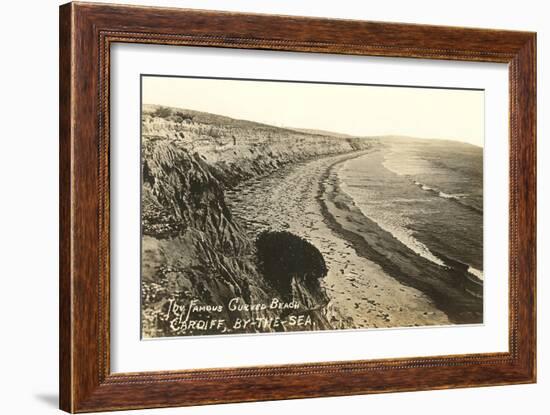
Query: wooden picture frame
(87, 32)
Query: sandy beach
(301, 199)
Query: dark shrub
(181, 116)
(162, 112)
(283, 256)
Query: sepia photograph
(271, 206)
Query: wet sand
(301, 199)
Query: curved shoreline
(362, 294)
(445, 286)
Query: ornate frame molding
(86, 33)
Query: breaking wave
(396, 225)
(458, 197)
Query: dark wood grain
(65, 247)
(86, 33)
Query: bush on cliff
(163, 112)
(283, 256)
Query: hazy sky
(350, 109)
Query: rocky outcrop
(192, 250)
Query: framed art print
(262, 207)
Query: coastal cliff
(237, 149)
(194, 251)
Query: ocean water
(428, 194)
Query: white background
(28, 211)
